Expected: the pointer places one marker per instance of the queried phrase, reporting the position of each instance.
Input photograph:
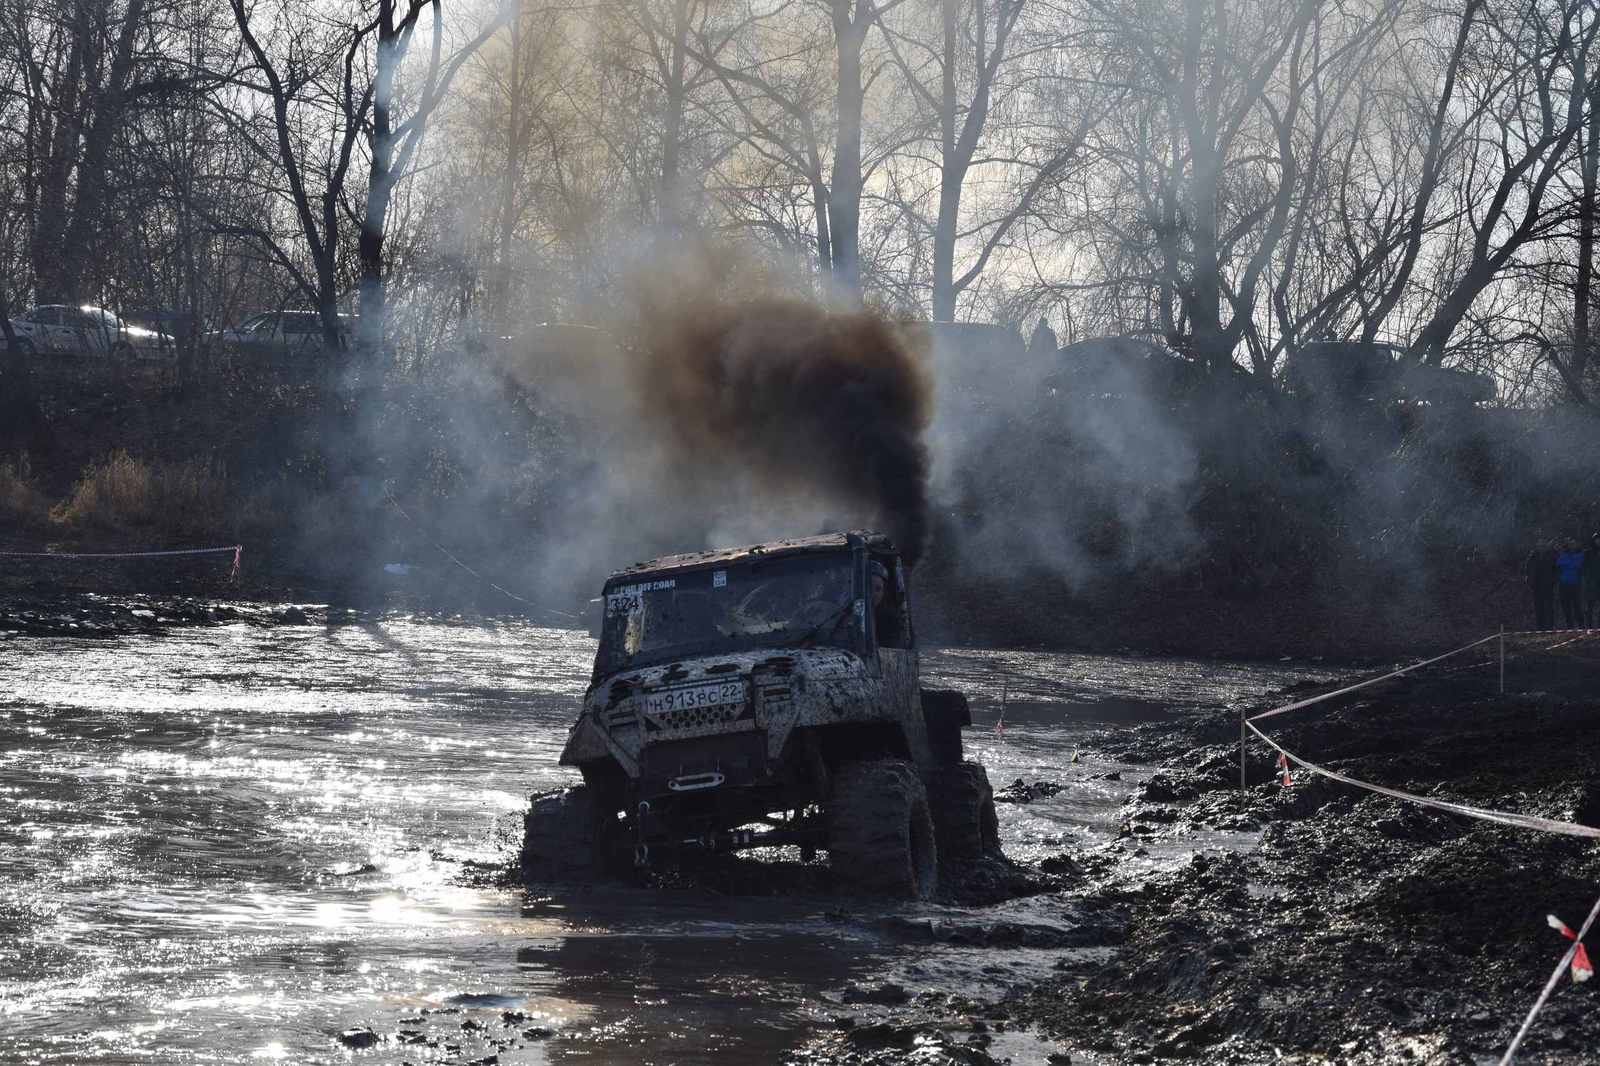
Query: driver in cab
(885, 611)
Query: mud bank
(92, 615)
(1342, 925)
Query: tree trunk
(1581, 290)
(380, 187)
(819, 206)
(1205, 285)
(19, 409)
(500, 290)
(55, 175)
(83, 228)
(950, 177)
(670, 200)
(844, 200)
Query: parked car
(280, 334)
(1358, 371)
(88, 331)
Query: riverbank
(1332, 626)
(1347, 926)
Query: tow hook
(695, 782)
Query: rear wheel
(880, 831)
(569, 836)
(964, 818)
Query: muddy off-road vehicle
(766, 696)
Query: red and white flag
(1582, 968)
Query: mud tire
(964, 819)
(946, 713)
(881, 839)
(565, 838)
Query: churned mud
(1335, 924)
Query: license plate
(682, 699)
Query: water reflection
(228, 845)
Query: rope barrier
(1550, 986)
(1507, 818)
(121, 555)
(1298, 704)
(233, 574)
(1520, 821)
(440, 548)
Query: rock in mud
(1019, 791)
(359, 1037)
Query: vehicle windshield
(792, 601)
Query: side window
(890, 618)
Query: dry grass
(122, 494)
(21, 504)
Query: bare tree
(346, 81)
(1528, 107)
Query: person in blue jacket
(1569, 584)
(1591, 581)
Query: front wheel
(569, 837)
(880, 830)
(23, 346)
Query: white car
(88, 331)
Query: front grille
(694, 718)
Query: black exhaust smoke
(797, 399)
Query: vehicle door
(254, 335)
(58, 332)
(87, 331)
(890, 634)
(107, 329)
(302, 334)
(30, 324)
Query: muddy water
(230, 844)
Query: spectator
(1043, 341)
(1569, 571)
(1591, 581)
(1541, 574)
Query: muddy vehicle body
(765, 696)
